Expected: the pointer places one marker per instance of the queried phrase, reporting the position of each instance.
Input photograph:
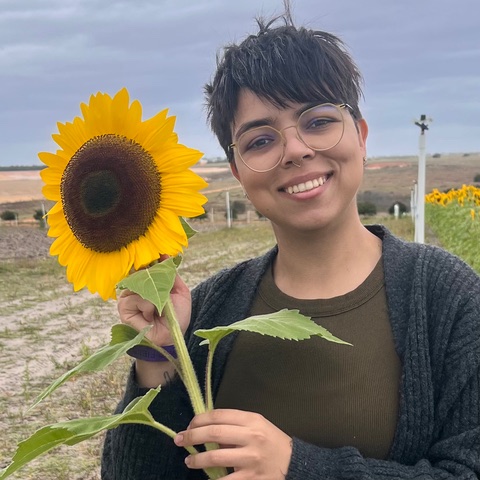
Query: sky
(417, 57)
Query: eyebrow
(261, 122)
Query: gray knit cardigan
(434, 308)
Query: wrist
(149, 354)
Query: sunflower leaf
(75, 431)
(189, 231)
(154, 283)
(124, 337)
(285, 324)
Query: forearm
(153, 374)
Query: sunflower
(120, 185)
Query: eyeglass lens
(320, 128)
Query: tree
(38, 215)
(403, 208)
(8, 215)
(367, 208)
(238, 206)
(202, 216)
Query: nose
(295, 150)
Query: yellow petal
(52, 160)
(52, 175)
(175, 158)
(51, 192)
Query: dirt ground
(24, 242)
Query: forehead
(252, 107)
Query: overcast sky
(417, 56)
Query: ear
(362, 128)
(233, 168)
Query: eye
(320, 118)
(259, 143)
(319, 122)
(258, 139)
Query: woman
(403, 402)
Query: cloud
(416, 57)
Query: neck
(325, 264)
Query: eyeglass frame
(339, 106)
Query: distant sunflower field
(454, 216)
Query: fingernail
(187, 460)
(178, 439)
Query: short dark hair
(281, 64)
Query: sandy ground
(50, 312)
(20, 186)
(27, 185)
(45, 330)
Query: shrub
(8, 215)
(402, 206)
(202, 216)
(38, 215)
(367, 208)
(233, 214)
(238, 206)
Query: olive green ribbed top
(324, 393)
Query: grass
(456, 230)
(30, 281)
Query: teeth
(305, 187)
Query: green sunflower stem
(213, 473)
(190, 379)
(188, 373)
(208, 379)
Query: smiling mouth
(307, 186)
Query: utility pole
(420, 190)
(229, 217)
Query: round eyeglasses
(320, 128)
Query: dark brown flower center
(110, 192)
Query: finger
(148, 310)
(133, 305)
(222, 434)
(126, 293)
(233, 458)
(225, 417)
